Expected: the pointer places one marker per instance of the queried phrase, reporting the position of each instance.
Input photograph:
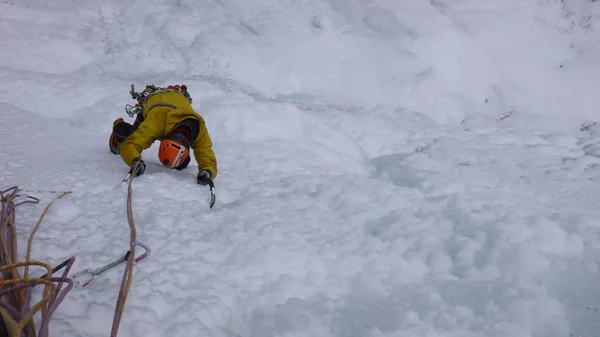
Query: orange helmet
(173, 151)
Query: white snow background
(387, 167)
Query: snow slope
(387, 168)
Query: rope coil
(16, 315)
(16, 291)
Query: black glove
(141, 166)
(203, 177)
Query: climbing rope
(128, 273)
(16, 317)
(16, 291)
(128, 257)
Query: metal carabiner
(143, 256)
(87, 283)
(96, 272)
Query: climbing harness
(95, 273)
(149, 91)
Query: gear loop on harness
(149, 91)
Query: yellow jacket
(158, 122)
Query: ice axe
(213, 196)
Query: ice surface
(387, 168)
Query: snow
(387, 168)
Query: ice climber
(165, 114)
